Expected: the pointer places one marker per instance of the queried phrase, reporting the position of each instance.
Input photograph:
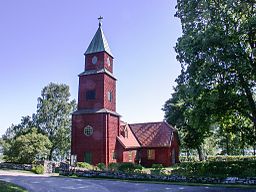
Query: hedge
(230, 158)
(217, 158)
(219, 169)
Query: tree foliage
(217, 84)
(27, 148)
(54, 117)
(52, 120)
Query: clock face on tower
(94, 60)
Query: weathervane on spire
(100, 20)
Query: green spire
(99, 42)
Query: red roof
(157, 134)
(127, 140)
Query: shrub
(101, 166)
(126, 167)
(85, 165)
(157, 166)
(38, 169)
(138, 167)
(156, 169)
(113, 166)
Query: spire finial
(100, 20)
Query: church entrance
(88, 157)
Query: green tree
(217, 52)
(27, 148)
(190, 115)
(23, 127)
(234, 133)
(53, 117)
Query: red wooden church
(98, 134)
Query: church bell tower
(95, 124)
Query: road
(45, 183)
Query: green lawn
(9, 187)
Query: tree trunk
(254, 143)
(200, 153)
(243, 143)
(187, 153)
(51, 154)
(227, 145)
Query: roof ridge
(175, 129)
(146, 123)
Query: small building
(98, 134)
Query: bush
(85, 165)
(126, 167)
(101, 166)
(38, 169)
(138, 167)
(113, 166)
(156, 169)
(157, 166)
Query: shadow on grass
(9, 187)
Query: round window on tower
(88, 130)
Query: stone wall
(48, 166)
(152, 177)
(15, 166)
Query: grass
(9, 187)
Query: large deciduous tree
(53, 117)
(217, 51)
(27, 148)
(190, 115)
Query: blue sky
(43, 41)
